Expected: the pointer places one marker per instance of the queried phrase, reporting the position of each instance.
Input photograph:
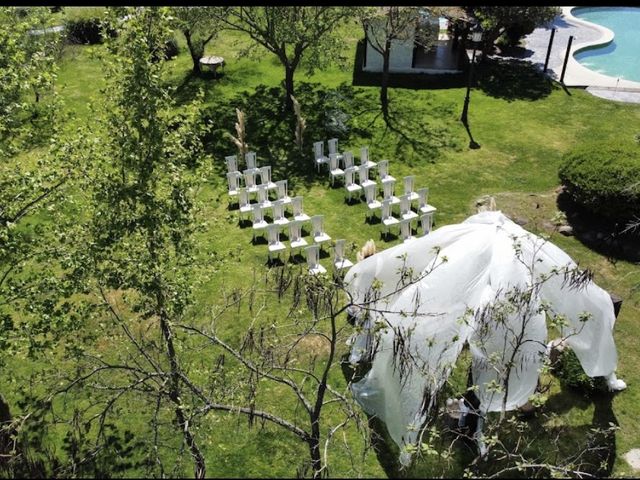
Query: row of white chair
(404, 224)
(251, 162)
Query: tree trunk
(195, 56)
(314, 450)
(384, 85)
(288, 86)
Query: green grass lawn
(522, 141)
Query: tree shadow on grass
(513, 80)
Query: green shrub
(569, 371)
(604, 178)
(83, 25)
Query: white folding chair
(278, 213)
(334, 170)
(363, 176)
(295, 235)
(317, 227)
(251, 161)
(423, 198)
(339, 260)
(232, 163)
(408, 187)
(243, 201)
(405, 207)
(332, 143)
(364, 158)
(282, 192)
(265, 177)
(233, 180)
(426, 222)
(349, 184)
(405, 229)
(298, 212)
(388, 220)
(388, 188)
(250, 180)
(383, 171)
(318, 154)
(259, 223)
(263, 196)
(370, 194)
(347, 160)
(273, 238)
(312, 252)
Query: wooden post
(566, 59)
(546, 62)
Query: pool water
(621, 57)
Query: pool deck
(576, 75)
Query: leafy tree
(199, 26)
(292, 33)
(512, 21)
(141, 183)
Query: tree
(512, 21)
(32, 223)
(384, 26)
(140, 186)
(199, 26)
(292, 33)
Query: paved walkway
(576, 75)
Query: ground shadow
(512, 80)
(609, 238)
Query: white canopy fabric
(487, 282)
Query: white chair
(423, 198)
(233, 180)
(383, 171)
(388, 188)
(265, 177)
(347, 160)
(259, 223)
(243, 201)
(426, 222)
(282, 192)
(263, 197)
(349, 184)
(405, 207)
(318, 154)
(339, 260)
(278, 213)
(273, 238)
(317, 227)
(388, 220)
(250, 180)
(250, 160)
(370, 194)
(333, 148)
(363, 176)
(364, 158)
(408, 187)
(298, 212)
(405, 230)
(295, 235)
(232, 163)
(312, 252)
(334, 170)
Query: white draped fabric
(487, 282)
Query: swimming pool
(618, 58)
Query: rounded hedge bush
(604, 178)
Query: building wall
(400, 57)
